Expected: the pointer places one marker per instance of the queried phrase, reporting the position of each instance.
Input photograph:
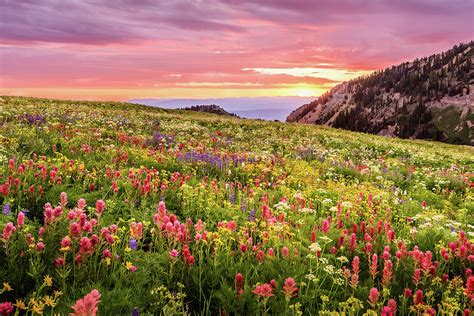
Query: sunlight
(335, 74)
(305, 92)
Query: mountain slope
(428, 98)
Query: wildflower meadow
(121, 209)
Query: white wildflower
(315, 247)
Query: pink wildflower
(199, 227)
(40, 246)
(189, 260)
(470, 287)
(74, 229)
(6, 308)
(81, 204)
(85, 245)
(232, 225)
(270, 252)
(416, 276)
(8, 230)
(391, 235)
(387, 273)
(136, 230)
(63, 198)
(325, 226)
(354, 280)
(11, 164)
(353, 242)
(65, 243)
(87, 306)
(239, 283)
(373, 265)
(198, 237)
(356, 265)
(289, 288)
(368, 248)
(264, 290)
(393, 305)
(20, 221)
(59, 262)
(407, 292)
(386, 311)
(174, 253)
(374, 296)
(99, 207)
(418, 298)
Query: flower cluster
(193, 214)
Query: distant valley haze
(267, 108)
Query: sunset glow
(94, 50)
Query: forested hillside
(427, 98)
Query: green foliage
(277, 203)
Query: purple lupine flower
(33, 119)
(7, 209)
(252, 215)
(133, 244)
(135, 312)
(232, 198)
(243, 206)
(211, 159)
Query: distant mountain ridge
(209, 108)
(428, 98)
(267, 108)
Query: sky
(124, 49)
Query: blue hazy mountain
(267, 108)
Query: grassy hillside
(254, 216)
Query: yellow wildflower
(7, 287)
(33, 301)
(57, 294)
(48, 281)
(49, 301)
(20, 304)
(36, 309)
